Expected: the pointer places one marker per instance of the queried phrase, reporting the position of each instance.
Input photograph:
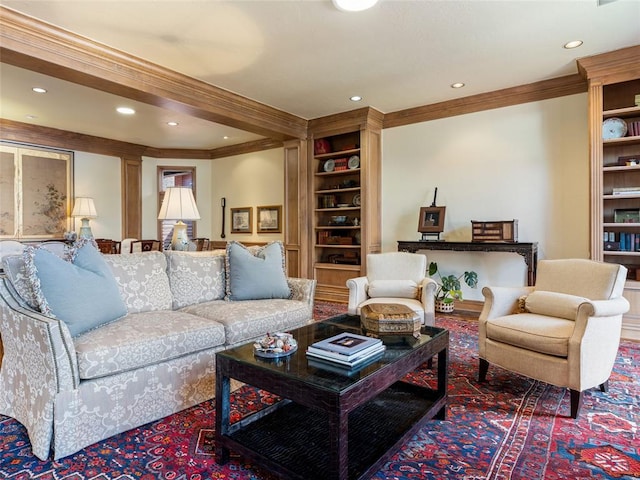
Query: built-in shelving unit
(614, 84)
(345, 222)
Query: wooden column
(296, 208)
(131, 196)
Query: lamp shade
(178, 204)
(84, 208)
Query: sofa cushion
(256, 275)
(538, 333)
(393, 288)
(249, 319)
(142, 339)
(554, 304)
(196, 277)
(142, 280)
(82, 292)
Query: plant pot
(444, 307)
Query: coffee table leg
(443, 380)
(223, 412)
(339, 445)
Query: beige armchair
(564, 331)
(395, 277)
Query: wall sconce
(179, 204)
(85, 209)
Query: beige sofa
(70, 392)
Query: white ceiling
(307, 58)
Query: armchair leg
(482, 371)
(604, 387)
(576, 403)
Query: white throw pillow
(393, 288)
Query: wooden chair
(201, 244)
(108, 246)
(145, 246)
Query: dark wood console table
(528, 250)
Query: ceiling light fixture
(573, 44)
(226, 137)
(355, 98)
(125, 110)
(457, 85)
(353, 5)
(39, 90)
(173, 124)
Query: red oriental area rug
(507, 428)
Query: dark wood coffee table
(330, 425)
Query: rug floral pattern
(508, 428)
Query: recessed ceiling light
(353, 5)
(457, 85)
(226, 137)
(355, 98)
(31, 117)
(125, 110)
(39, 90)
(172, 124)
(574, 44)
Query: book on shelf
(346, 360)
(340, 369)
(346, 343)
(625, 191)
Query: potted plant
(449, 287)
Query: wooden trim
(52, 137)
(531, 92)
(131, 168)
(611, 67)
(242, 148)
(35, 45)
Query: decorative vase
(443, 307)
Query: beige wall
(528, 162)
(249, 180)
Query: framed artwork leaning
(36, 192)
(431, 219)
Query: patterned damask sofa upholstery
(70, 392)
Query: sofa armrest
(428, 288)
(302, 289)
(39, 363)
(357, 293)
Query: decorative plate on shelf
(356, 200)
(613, 127)
(354, 162)
(329, 165)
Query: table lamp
(85, 209)
(179, 204)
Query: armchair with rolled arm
(564, 331)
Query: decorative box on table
(497, 231)
(390, 319)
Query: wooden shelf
(338, 191)
(620, 168)
(622, 112)
(619, 197)
(341, 153)
(621, 141)
(621, 225)
(620, 253)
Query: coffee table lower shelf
(294, 440)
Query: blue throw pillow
(256, 276)
(82, 292)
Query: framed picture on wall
(35, 204)
(241, 220)
(269, 219)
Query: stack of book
(345, 352)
